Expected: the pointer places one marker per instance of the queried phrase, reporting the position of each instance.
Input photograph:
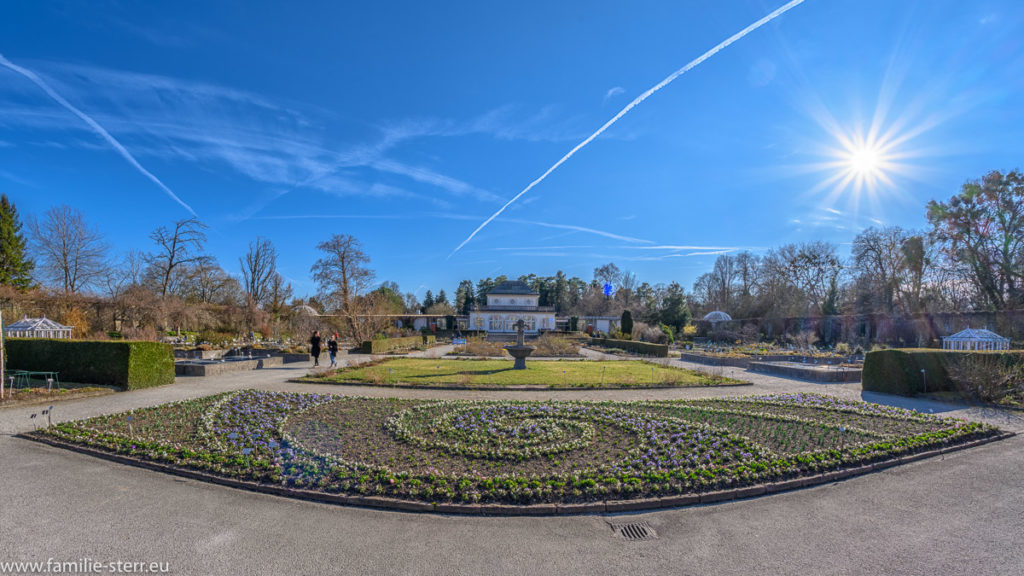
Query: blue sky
(409, 124)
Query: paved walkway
(955, 515)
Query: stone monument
(520, 350)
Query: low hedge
(645, 348)
(389, 344)
(126, 363)
(898, 371)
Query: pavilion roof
(514, 287)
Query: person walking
(332, 349)
(314, 347)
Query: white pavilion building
(509, 302)
(975, 339)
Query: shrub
(670, 336)
(551, 345)
(645, 348)
(481, 347)
(647, 333)
(129, 364)
(988, 377)
(898, 371)
(389, 344)
(214, 337)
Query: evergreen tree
(15, 265)
(428, 301)
(464, 298)
(626, 323)
(442, 298)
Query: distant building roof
(514, 287)
(306, 310)
(717, 316)
(976, 334)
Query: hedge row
(645, 348)
(389, 344)
(129, 364)
(898, 371)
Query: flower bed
(514, 452)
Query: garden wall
(898, 371)
(819, 373)
(645, 348)
(129, 364)
(388, 344)
(744, 362)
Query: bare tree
(71, 253)
(278, 295)
(343, 279)
(175, 248)
(259, 266)
(205, 281)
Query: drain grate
(635, 531)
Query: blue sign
(607, 289)
(459, 341)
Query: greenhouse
(37, 328)
(975, 339)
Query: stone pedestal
(520, 353)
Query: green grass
(555, 374)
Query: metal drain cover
(635, 531)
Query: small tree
(626, 322)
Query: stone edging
(513, 388)
(607, 506)
(61, 398)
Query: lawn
(554, 374)
(515, 452)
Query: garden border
(512, 387)
(545, 509)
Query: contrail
(95, 126)
(778, 12)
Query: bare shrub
(647, 333)
(481, 347)
(987, 377)
(552, 345)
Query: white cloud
(613, 92)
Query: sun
(865, 161)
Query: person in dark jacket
(332, 349)
(314, 347)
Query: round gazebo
(975, 339)
(717, 316)
(37, 328)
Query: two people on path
(332, 348)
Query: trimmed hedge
(898, 371)
(389, 344)
(645, 348)
(129, 364)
